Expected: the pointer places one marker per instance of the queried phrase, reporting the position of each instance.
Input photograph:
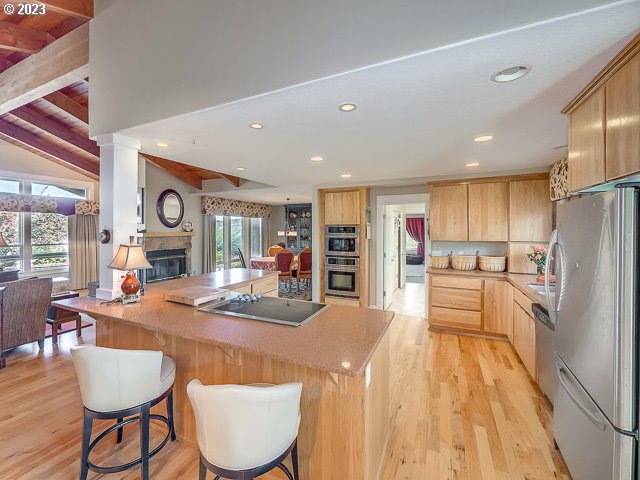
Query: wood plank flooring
(462, 408)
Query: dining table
(269, 263)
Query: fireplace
(167, 263)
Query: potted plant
(538, 255)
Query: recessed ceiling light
(346, 175)
(348, 107)
(483, 138)
(257, 126)
(472, 164)
(317, 158)
(240, 169)
(161, 144)
(510, 74)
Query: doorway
(402, 257)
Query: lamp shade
(3, 243)
(130, 257)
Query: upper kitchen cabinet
(623, 121)
(530, 213)
(342, 208)
(586, 143)
(449, 213)
(489, 212)
(604, 123)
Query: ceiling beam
(32, 116)
(41, 144)
(69, 105)
(71, 8)
(56, 66)
(20, 39)
(233, 180)
(175, 169)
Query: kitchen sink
(540, 288)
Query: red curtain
(415, 229)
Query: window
(37, 242)
(237, 233)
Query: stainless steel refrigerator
(595, 418)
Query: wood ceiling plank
(47, 147)
(67, 104)
(72, 8)
(57, 65)
(175, 169)
(21, 39)
(34, 117)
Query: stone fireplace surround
(152, 241)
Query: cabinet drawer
(449, 317)
(522, 300)
(456, 298)
(347, 302)
(264, 286)
(456, 282)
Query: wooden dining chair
(273, 249)
(304, 266)
(243, 262)
(284, 266)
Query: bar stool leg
(120, 430)
(170, 415)
(294, 461)
(203, 471)
(144, 440)
(86, 440)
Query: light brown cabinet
(587, 143)
(530, 211)
(449, 213)
(342, 208)
(455, 302)
(623, 121)
(489, 212)
(524, 338)
(497, 307)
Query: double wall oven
(342, 260)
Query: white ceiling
(416, 116)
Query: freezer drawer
(591, 448)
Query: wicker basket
(440, 262)
(489, 263)
(464, 262)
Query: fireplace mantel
(166, 234)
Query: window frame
(227, 254)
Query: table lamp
(130, 257)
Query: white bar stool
(116, 384)
(245, 431)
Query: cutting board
(194, 296)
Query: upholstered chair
(304, 266)
(116, 384)
(284, 266)
(245, 431)
(273, 249)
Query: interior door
(402, 251)
(390, 253)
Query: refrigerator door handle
(592, 414)
(553, 241)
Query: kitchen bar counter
(341, 356)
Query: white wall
(154, 59)
(157, 180)
(276, 223)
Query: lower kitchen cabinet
(497, 307)
(524, 338)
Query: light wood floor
(462, 408)
(409, 300)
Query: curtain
(83, 250)
(415, 229)
(209, 241)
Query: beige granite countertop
(339, 340)
(518, 280)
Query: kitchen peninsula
(341, 356)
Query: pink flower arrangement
(538, 255)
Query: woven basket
(439, 262)
(464, 262)
(490, 263)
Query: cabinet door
(586, 143)
(342, 208)
(623, 121)
(449, 213)
(530, 211)
(524, 338)
(489, 212)
(498, 307)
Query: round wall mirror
(170, 208)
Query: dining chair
(273, 249)
(304, 266)
(243, 262)
(284, 266)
